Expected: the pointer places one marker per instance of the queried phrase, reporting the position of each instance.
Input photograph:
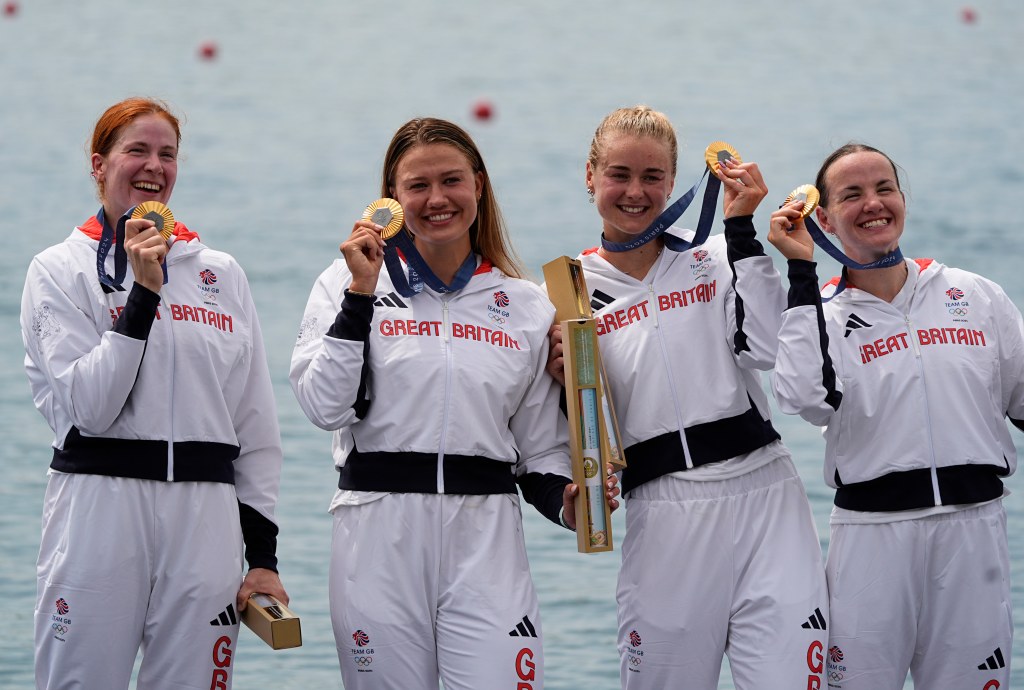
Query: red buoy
(483, 110)
(208, 50)
(10, 8)
(968, 15)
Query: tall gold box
(593, 430)
(272, 622)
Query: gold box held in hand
(593, 430)
(272, 622)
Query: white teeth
(632, 209)
(440, 217)
(147, 186)
(875, 223)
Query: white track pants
(722, 567)
(130, 562)
(426, 586)
(931, 595)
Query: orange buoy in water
(483, 110)
(10, 8)
(208, 50)
(968, 15)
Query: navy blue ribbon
(111, 237)
(890, 259)
(671, 215)
(419, 271)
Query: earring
(590, 191)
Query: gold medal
(806, 193)
(159, 214)
(718, 151)
(388, 214)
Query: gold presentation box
(272, 622)
(593, 430)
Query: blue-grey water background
(282, 148)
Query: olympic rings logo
(835, 676)
(363, 660)
(635, 661)
(958, 311)
(59, 629)
(497, 319)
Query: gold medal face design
(806, 193)
(388, 214)
(159, 214)
(718, 151)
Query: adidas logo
(524, 628)
(599, 300)
(390, 300)
(226, 617)
(816, 621)
(993, 662)
(853, 323)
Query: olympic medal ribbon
(112, 237)
(419, 271)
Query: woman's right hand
(364, 254)
(556, 364)
(788, 232)
(146, 249)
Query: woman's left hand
(260, 581)
(571, 490)
(744, 188)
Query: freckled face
(866, 209)
(632, 182)
(439, 192)
(141, 166)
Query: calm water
(283, 144)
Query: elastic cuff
(136, 319)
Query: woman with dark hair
(912, 367)
(432, 377)
(166, 456)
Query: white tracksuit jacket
(184, 396)
(683, 353)
(913, 403)
(435, 393)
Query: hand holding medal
(146, 252)
(744, 186)
(364, 248)
(788, 230)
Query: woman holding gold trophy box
(432, 376)
(145, 356)
(720, 555)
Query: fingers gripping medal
(718, 152)
(388, 214)
(808, 194)
(159, 214)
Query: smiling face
(632, 180)
(439, 191)
(142, 165)
(866, 209)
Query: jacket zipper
(668, 366)
(937, 496)
(447, 393)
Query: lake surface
(285, 134)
